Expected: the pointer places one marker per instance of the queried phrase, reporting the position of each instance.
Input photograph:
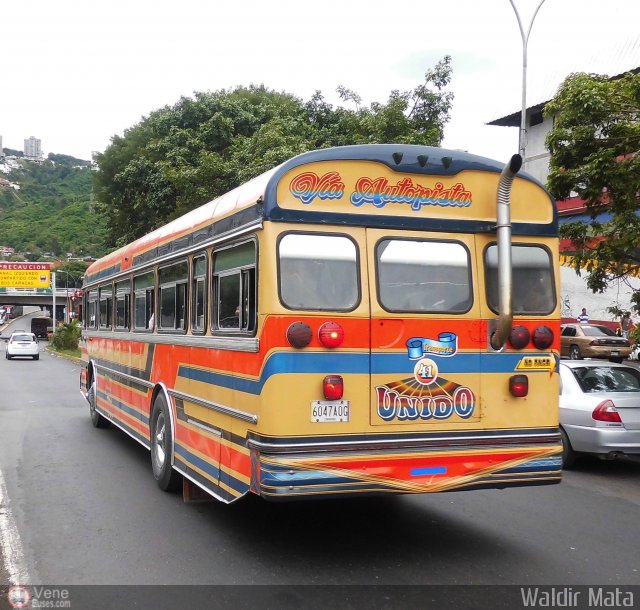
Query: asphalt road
(88, 511)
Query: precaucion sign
(25, 275)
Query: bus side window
(234, 288)
(144, 292)
(123, 294)
(106, 306)
(198, 294)
(172, 296)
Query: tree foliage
(52, 212)
(594, 146)
(183, 155)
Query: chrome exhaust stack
(501, 329)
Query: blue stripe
(358, 363)
(124, 407)
(419, 472)
(211, 470)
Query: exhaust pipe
(503, 231)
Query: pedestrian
(626, 325)
(583, 318)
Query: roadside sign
(25, 275)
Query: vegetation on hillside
(181, 156)
(52, 211)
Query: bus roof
(388, 185)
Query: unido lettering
(393, 405)
(379, 193)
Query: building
(1, 149)
(33, 149)
(574, 292)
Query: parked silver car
(599, 409)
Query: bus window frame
(437, 312)
(173, 284)
(108, 288)
(192, 293)
(357, 265)
(127, 294)
(92, 303)
(144, 291)
(251, 311)
(516, 244)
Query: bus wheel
(161, 451)
(97, 420)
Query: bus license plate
(615, 352)
(325, 411)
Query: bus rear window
(318, 272)
(533, 282)
(423, 276)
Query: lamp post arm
(525, 42)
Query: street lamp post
(66, 307)
(525, 40)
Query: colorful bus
(376, 319)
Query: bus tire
(98, 421)
(568, 454)
(161, 448)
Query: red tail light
(331, 334)
(606, 411)
(519, 337)
(542, 337)
(519, 385)
(333, 387)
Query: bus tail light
(543, 337)
(333, 387)
(331, 334)
(519, 385)
(299, 335)
(519, 337)
(606, 411)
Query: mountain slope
(52, 210)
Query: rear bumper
(17, 352)
(410, 466)
(585, 439)
(605, 352)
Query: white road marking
(10, 544)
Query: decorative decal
(308, 186)
(445, 345)
(379, 193)
(536, 363)
(425, 371)
(410, 400)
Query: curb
(65, 356)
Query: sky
(75, 73)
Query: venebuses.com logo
(19, 597)
(38, 597)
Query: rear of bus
(379, 280)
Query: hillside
(52, 210)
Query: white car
(599, 409)
(23, 344)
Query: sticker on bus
(328, 411)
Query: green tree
(594, 148)
(181, 156)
